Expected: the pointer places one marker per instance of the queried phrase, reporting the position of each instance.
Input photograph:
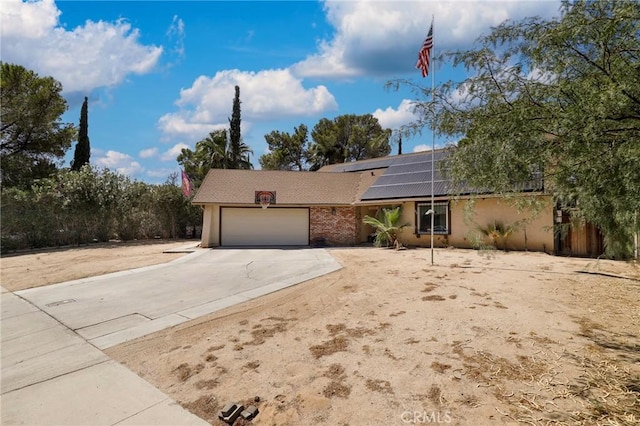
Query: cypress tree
(234, 132)
(83, 150)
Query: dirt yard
(479, 338)
(43, 267)
(390, 339)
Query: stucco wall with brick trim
(338, 226)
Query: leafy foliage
(343, 139)
(386, 226)
(238, 152)
(498, 234)
(212, 152)
(347, 138)
(82, 153)
(33, 139)
(286, 152)
(560, 98)
(93, 205)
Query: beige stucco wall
(211, 226)
(537, 232)
(534, 234)
(365, 229)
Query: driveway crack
(248, 270)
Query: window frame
(427, 204)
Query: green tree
(347, 138)
(212, 152)
(558, 98)
(82, 152)
(287, 152)
(92, 204)
(239, 152)
(387, 226)
(33, 139)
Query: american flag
(424, 55)
(187, 186)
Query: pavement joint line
(222, 299)
(61, 323)
(60, 375)
(143, 410)
(50, 352)
(28, 334)
(109, 320)
(40, 310)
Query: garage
(272, 226)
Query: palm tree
(213, 151)
(216, 153)
(386, 226)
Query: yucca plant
(498, 233)
(386, 226)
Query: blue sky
(160, 75)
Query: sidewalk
(51, 376)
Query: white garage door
(264, 227)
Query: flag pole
(433, 146)
(425, 61)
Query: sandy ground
(493, 338)
(44, 267)
(479, 338)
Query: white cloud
(160, 173)
(120, 162)
(396, 118)
(176, 33)
(383, 37)
(179, 125)
(32, 20)
(148, 153)
(265, 95)
(421, 147)
(173, 152)
(96, 54)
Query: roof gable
(229, 186)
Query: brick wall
(338, 226)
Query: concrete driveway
(114, 308)
(52, 375)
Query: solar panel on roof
(411, 190)
(382, 162)
(409, 176)
(410, 168)
(395, 179)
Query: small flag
(424, 56)
(187, 186)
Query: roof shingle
(291, 187)
(385, 178)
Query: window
(440, 220)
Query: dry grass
(329, 347)
(336, 389)
(382, 386)
(435, 297)
(185, 371)
(440, 368)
